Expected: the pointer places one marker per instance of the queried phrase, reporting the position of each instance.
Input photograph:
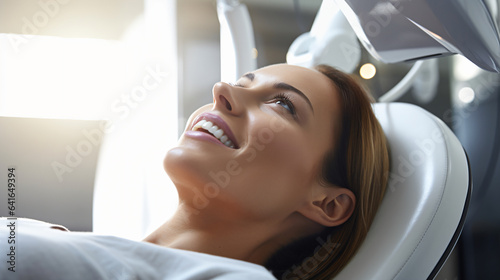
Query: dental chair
(424, 208)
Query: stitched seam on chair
(435, 210)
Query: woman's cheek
(285, 149)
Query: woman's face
(277, 124)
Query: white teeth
(207, 125)
(199, 124)
(218, 134)
(215, 131)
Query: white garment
(45, 253)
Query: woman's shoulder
(49, 250)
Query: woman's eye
(284, 105)
(285, 102)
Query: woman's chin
(185, 167)
(175, 161)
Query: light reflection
(367, 71)
(466, 95)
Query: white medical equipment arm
(331, 41)
(237, 41)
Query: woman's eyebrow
(285, 86)
(249, 76)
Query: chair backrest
(424, 207)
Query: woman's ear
(329, 206)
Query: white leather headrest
(424, 201)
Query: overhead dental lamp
(408, 30)
(390, 30)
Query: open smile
(216, 127)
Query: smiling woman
(283, 160)
(280, 177)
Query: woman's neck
(252, 242)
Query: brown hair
(360, 163)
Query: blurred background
(87, 59)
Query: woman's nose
(226, 99)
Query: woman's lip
(203, 136)
(218, 121)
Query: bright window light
(132, 83)
(53, 77)
(134, 196)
